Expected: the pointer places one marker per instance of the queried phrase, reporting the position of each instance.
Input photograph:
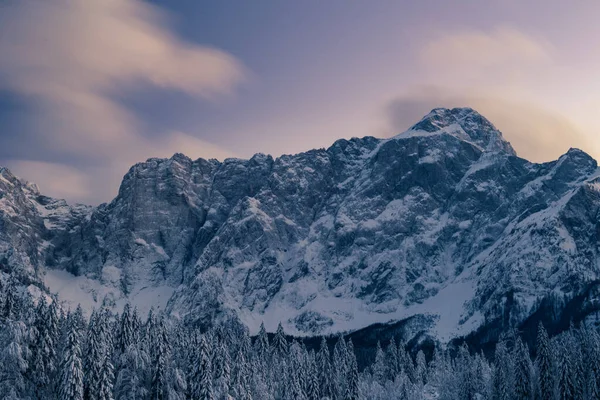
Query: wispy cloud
(70, 57)
(502, 53)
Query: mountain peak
(466, 124)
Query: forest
(50, 353)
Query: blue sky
(89, 88)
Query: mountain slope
(443, 221)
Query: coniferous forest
(47, 353)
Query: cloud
(70, 58)
(496, 73)
(477, 55)
(537, 134)
(56, 180)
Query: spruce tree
(352, 391)
(13, 359)
(421, 368)
(221, 370)
(71, 378)
(523, 370)
(323, 361)
(379, 367)
(159, 389)
(280, 344)
(340, 368)
(545, 365)
(200, 382)
(503, 378)
(567, 385)
(313, 388)
(391, 354)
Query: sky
(90, 87)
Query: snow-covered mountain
(443, 221)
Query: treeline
(48, 354)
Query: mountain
(442, 225)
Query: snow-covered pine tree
(131, 382)
(159, 389)
(9, 308)
(105, 386)
(240, 387)
(13, 358)
(503, 374)
(352, 389)
(313, 389)
(379, 366)
(201, 378)
(280, 345)
(323, 360)
(592, 359)
(405, 362)
(71, 370)
(43, 349)
(261, 345)
(567, 385)
(293, 388)
(126, 333)
(391, 354)
(523, 371)
(340, 368)
(99, 374)
(221, 370)
(545, 365)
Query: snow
(350, 314)
(432, 157)
(568, 243)
(73, 290)
(140, 241)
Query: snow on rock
(443, 220)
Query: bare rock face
(443, 220)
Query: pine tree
(98, 363)
(159, 389)
(131, 382)
(379, 367)
(324, 370)
(10, 302)
(13, 359)
(105, 386)
(262, 343)
(421, 368)
(222, 370)
(126, 335)
(293, 388)
(241, 389)
(352, 392)
(523, 368)
(313, 389)
(340, 368)
(391, 354)
(44, 347)
(567, 385)
(545, 365)
(200, 382)
(406, 363)
(593, 364)
(71, 379)
(280, 344)
(503, 378)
